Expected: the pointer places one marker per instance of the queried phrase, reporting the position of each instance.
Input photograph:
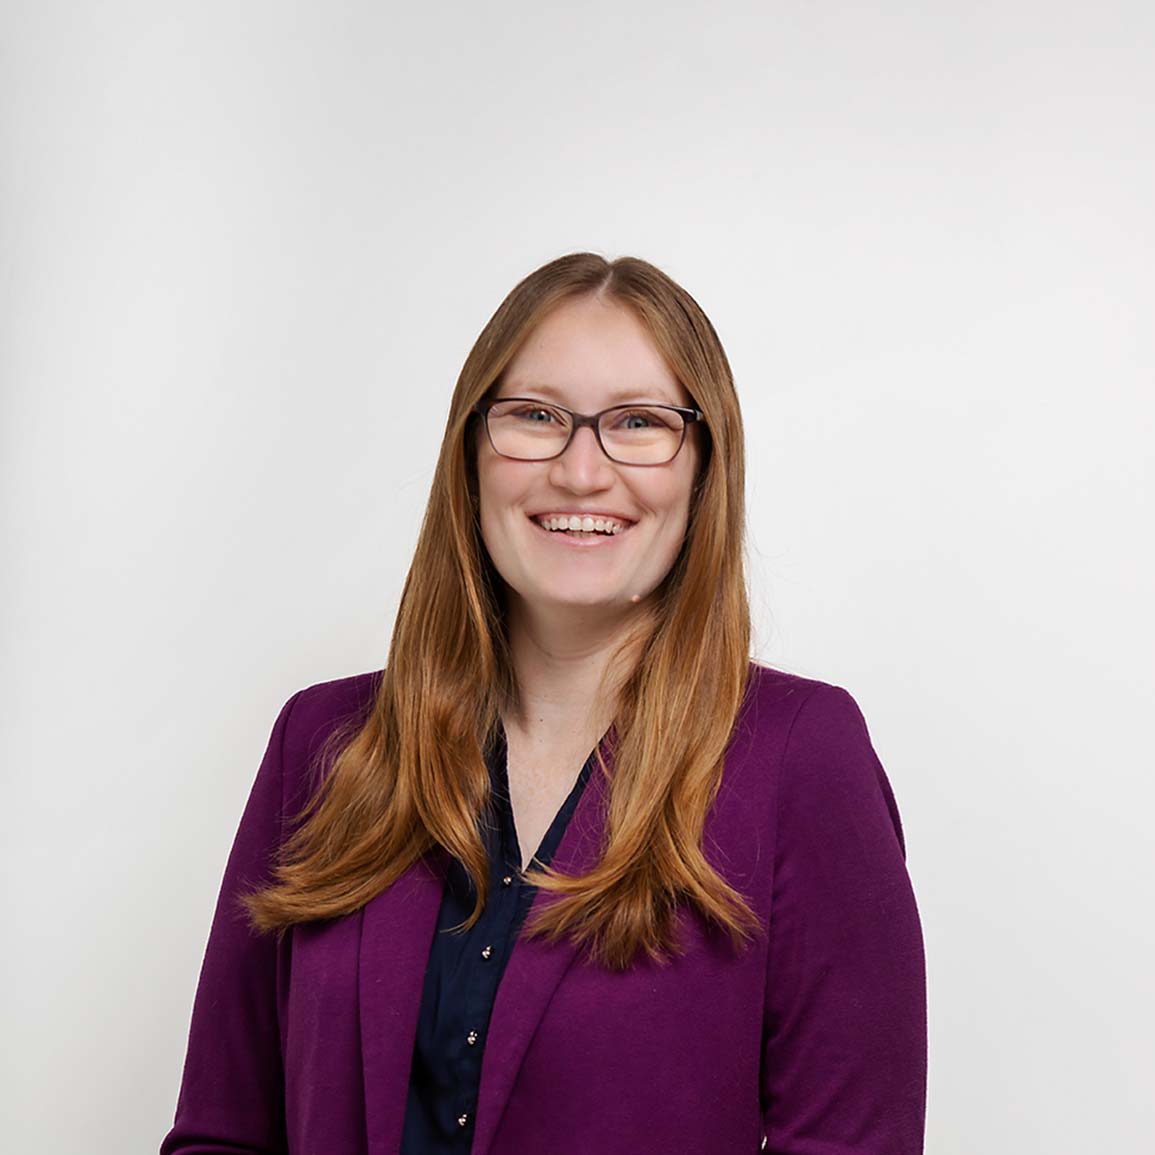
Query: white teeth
(582, 524)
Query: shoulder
(809, 710)
(830, 782)
(777, 700)
(813, 737)
(318, 714)
(316, 709)
(782, 716)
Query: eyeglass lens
(633, 434)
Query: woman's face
(587, 355)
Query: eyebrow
(621, 396)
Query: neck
(569, 671)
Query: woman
(571, 874)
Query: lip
(602, 541)
(583, 513)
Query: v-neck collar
(498, 762)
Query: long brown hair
(413, 776)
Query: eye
(528, 414)
(644, 419)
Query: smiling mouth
(581, 537)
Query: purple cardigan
(814, 1039)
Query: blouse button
(507, 880)
(486, 951)
(471, 1038)
(462, 1119)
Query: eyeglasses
(527, 429)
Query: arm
(232, 1090)
(844, 1059)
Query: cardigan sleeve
(845, 1030)
(231, 1096)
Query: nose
(583, 465)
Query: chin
(588, 600)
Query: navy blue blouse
(464, 971)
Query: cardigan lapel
(536, 967)
(396, 933)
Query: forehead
(594, 353)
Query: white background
(246, 248)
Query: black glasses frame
(592, 420)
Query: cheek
(495, 487)
(674, 497)
(677, 516)
(495, 520)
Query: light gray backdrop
(246, 247)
